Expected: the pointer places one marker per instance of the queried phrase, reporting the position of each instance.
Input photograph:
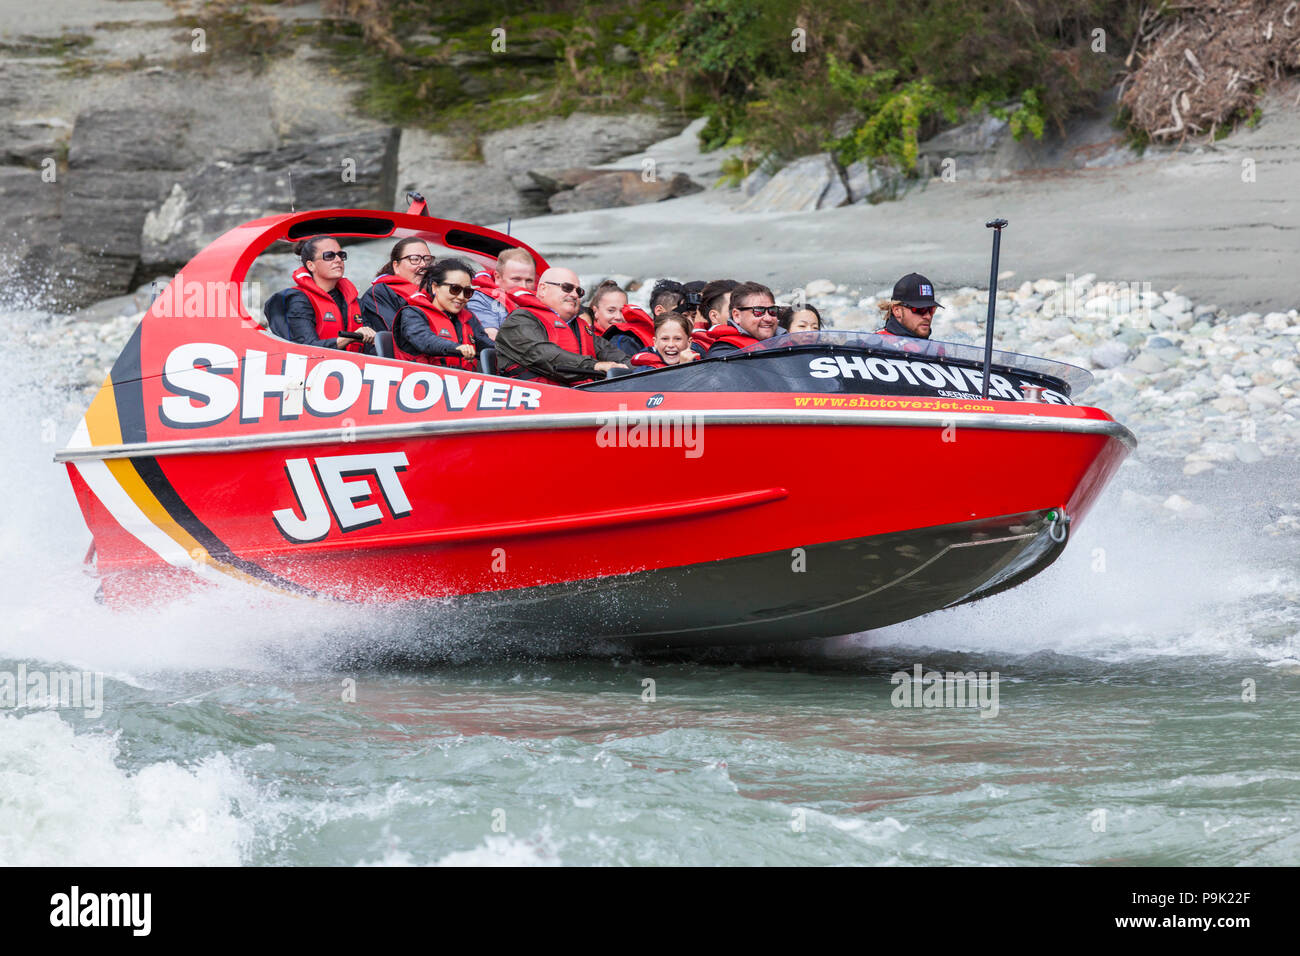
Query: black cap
(915, 291)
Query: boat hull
(761, 531)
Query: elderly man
(544, 340)
(754, 317)
(491, 300)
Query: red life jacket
(699, 324)
(731, 334)
(701, 339)
(403, 287)
(649, 359)
(637, 324)
(444, 327)
(328, 322)
(558, 332)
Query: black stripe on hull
(128, 391)
(845, 587)
(151, 474)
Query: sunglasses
(457, 290)
(568, 287)
(761, 310)
(341, 256)
(928, 310)
(418, 260)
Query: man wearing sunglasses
(323, 306)
(912, 309)
(754, 317)
(545, 340)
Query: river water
(1146, 714)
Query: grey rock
(836, 195)
(130, 139)
(752, 184)
(873, 182)
(30, 142)
(1248, 452)
(799, 187)
(1109, 354)
(626, 188)
(580, 139)
(351, 171)
(26, 253)
(978, 136)
(552, 181)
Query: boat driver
(911, 309)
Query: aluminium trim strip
(574, 420)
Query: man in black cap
(912, 307)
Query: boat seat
(274, 310)
(384, 345)
(487, 362)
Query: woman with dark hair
(803, 318)
(322, 309)
(395, 283)
(434, 326)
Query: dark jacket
(302, 318)
(411, 333)
(625, 342)
(379, 307)
(523, 341)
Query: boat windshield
(829, 339)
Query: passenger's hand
(691, 355)
(367, 334)
(606, 366)
(492, 333)
(466, 350)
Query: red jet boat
(816, 484)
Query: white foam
(64, 801)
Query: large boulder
(357, 170)
(29, 239)
(812, 182)
(580, 139)
(120, 164)
(30, 142)
(553, 181)
(626, 188)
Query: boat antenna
(997, 225)
(291, 204)
(507, 225)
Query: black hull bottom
(830, 589)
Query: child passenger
(672, 343)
